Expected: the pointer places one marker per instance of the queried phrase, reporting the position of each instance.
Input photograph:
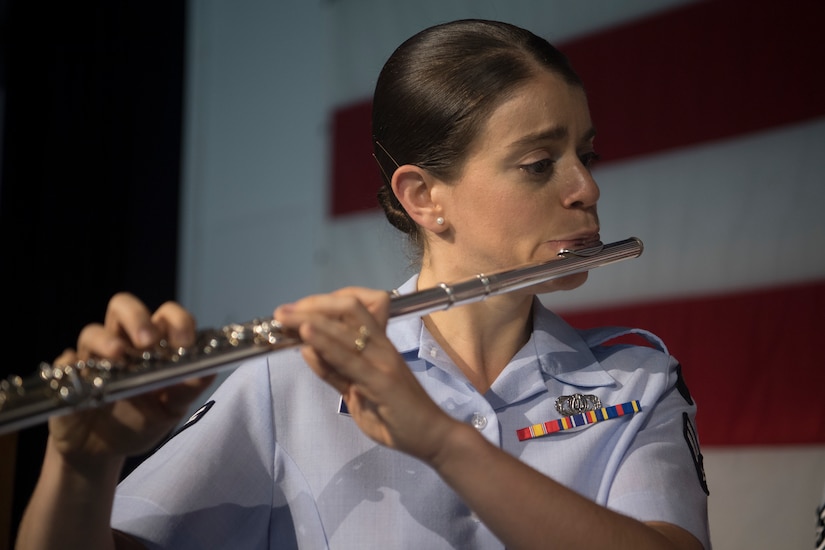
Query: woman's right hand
(130, 426)
(87, 449)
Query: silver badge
(568, 405)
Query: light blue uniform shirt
(273, 464)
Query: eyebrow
(554, 134)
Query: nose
(581, 190)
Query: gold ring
(363, 338)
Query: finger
(329, 305)
(126, 315)
(377, 302)
(325, 371)
(344, 305)
(353, 354)
(68, 357)
(175, 324)
(95, 340)
(340, 330)
(332, 339)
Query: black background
(89, 195)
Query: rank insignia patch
(197, 415)
(682, 386)
(696, 453)
(342, 407)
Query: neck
(481, 338)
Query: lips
(577, 242)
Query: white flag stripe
(764, 498)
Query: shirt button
(479, 421)
(433, 352)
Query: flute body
(57, 389)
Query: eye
(589, 159)
(541, 167)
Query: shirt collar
(558, 348)
(568, 357)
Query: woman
(483, 135)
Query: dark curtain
(90, 162)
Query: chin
(562, 283)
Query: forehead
(545, 107)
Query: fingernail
(144, 337)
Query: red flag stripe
(703, 72)
(355, 173)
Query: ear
(413, 186)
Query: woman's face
(525, 192)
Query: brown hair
(436, 91)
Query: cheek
(483, 210)
(512, 205)
(501, 217)
(516, 202)
(509, 225)
(524, 213)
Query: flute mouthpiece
(582, 252)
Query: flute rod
(58, 389)
(443, 296)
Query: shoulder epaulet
(600, 335)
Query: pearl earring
(439, 220)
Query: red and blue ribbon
(576, 420)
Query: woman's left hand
(345, 344)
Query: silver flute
(57, 389)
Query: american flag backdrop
(711, 126)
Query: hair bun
(396, 215)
